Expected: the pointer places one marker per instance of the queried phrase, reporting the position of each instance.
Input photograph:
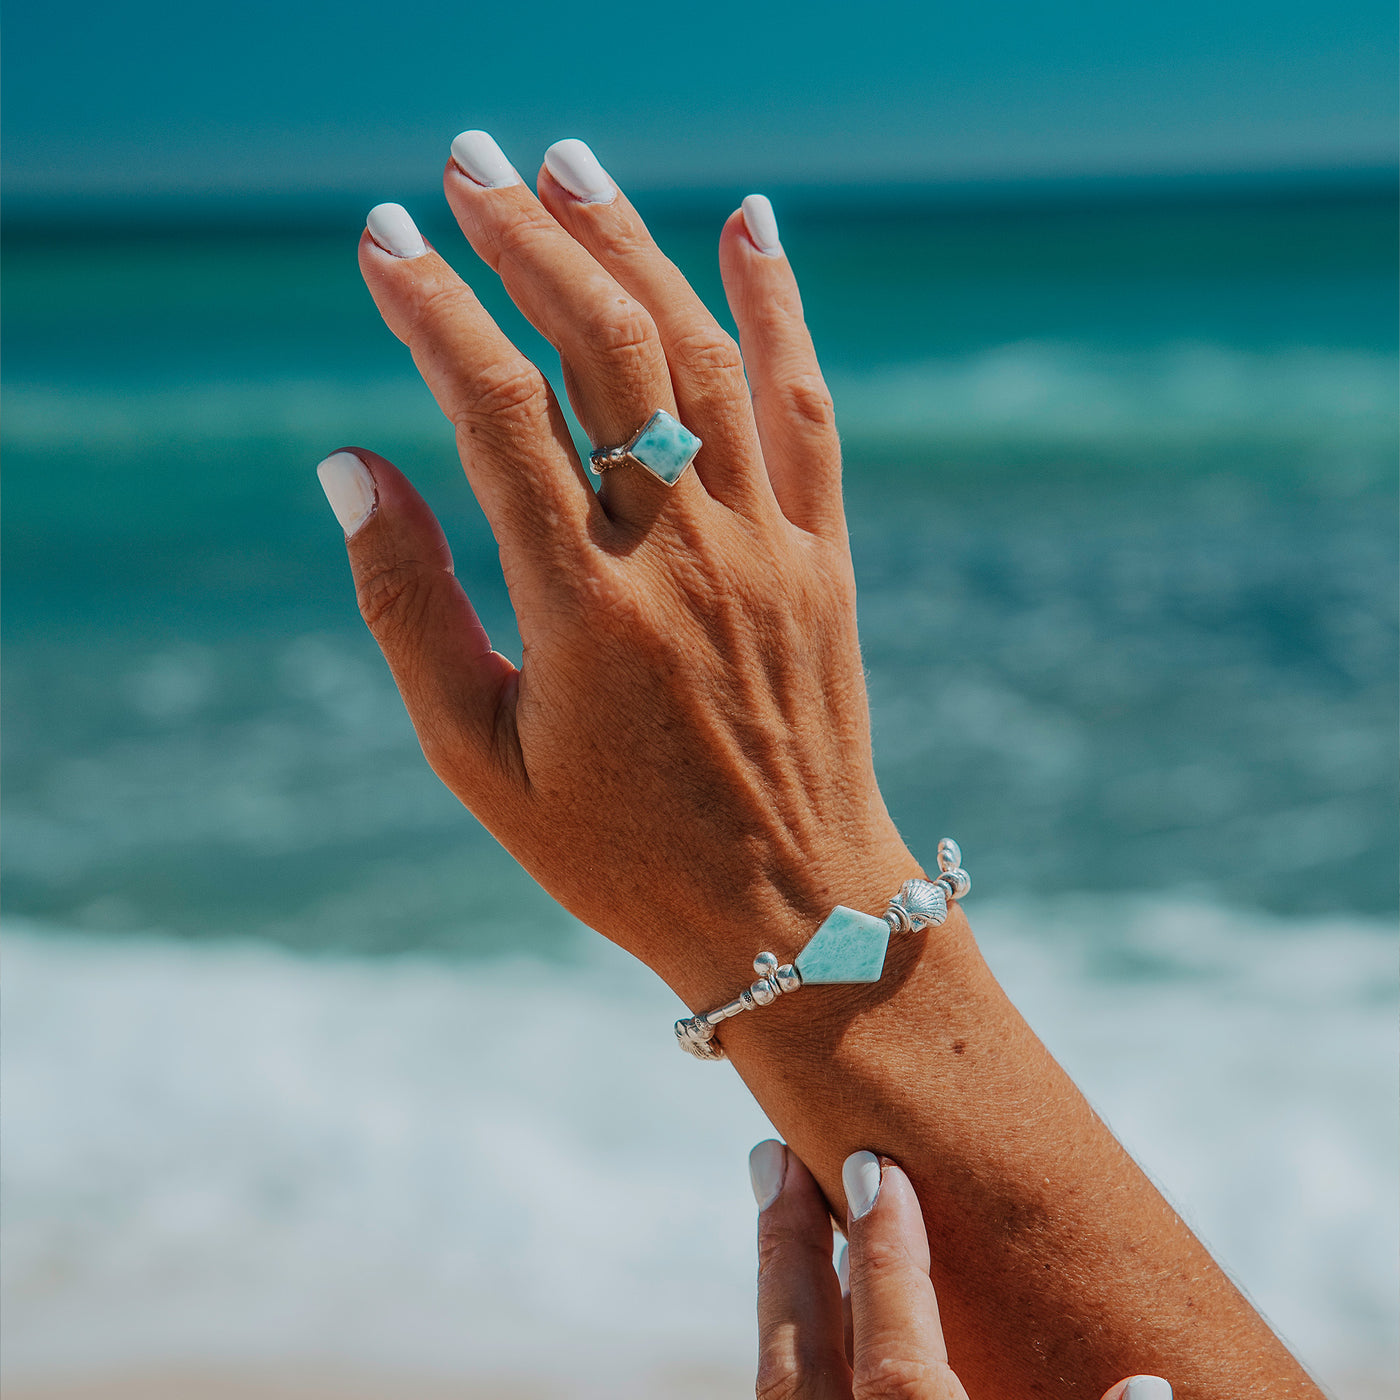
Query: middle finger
(614, 366)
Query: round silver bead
(925, 902)
(949, 854)
(763, 992)
(788, 978)
(958, 882)
(765, 964)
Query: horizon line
(20, 211)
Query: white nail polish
(349, 488)
(577, 169)
(860, 1176)
(843, 1270)
(761, 223)
(1147, 1388)
(391, 227)
(479, 158)
(767, 1168)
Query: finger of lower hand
(614, 364)
(897, 1340)
(457, 691)
(1140, 1388)
(792, 405)
(707, 372)
(801, 1349)
(514, 443)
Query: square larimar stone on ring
(665, 447)
(848, 947)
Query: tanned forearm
(1059, 1267)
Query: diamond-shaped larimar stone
(665, 447)
(848, 947)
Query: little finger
(792, 405)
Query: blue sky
(149, 95)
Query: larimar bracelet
(848, 947)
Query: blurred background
(307, 1089)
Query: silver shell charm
(925, 902)
(949, 855)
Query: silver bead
(897, 917)
(788, 978)
(763, 992)
(764, 964)
(949, 854)
(746, 997)
(925, 902)
(958, 882)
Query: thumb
(459, 693)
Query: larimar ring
(663, 445)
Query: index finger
(513, 440)
(897, 1339)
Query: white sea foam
(1045, 396)
(226, 1153)
(1040, 395)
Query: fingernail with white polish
(1147, 1388)
(761, 223)
(577, 169)
(391, 227)
(767, 1168)
(860, 1176)
(479, 158)
(349, 488)
(843, 1270)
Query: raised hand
(683, 755)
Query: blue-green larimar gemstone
(665, 447)
(848, 947)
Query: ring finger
(614, 365)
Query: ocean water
(290, 1065)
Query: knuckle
(393, 597)
(877, 1259)
(623, 332)
(521, 235)
(807, 399)
(513, 393)
(706, 352)
(893, 1377)
(778, 1378)
(436, 311)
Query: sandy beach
(332, 1384)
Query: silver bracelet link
(920, 904)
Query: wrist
(780, 914)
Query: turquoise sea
(1120, 470)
